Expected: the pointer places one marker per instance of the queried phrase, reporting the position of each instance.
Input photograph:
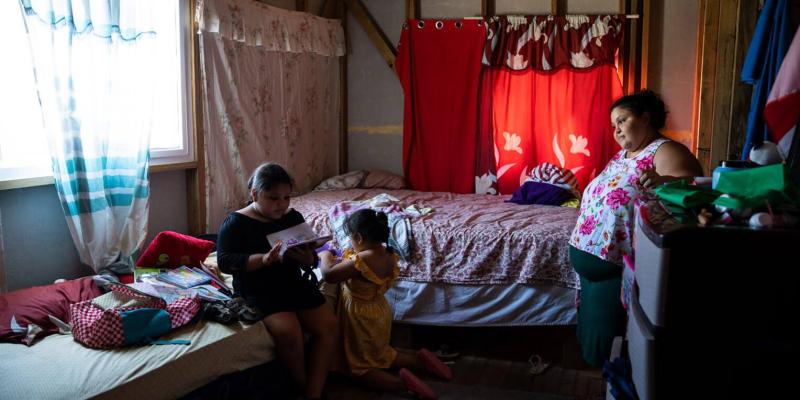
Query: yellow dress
(366, 318)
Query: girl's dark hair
(268, 175)
(645, 101)
(371, 225)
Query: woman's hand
(303, 255)
(273, 255)
(326, 256)
(213, 267)
(649, 178)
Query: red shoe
(416, 385)
(434, 365)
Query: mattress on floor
(57, 367)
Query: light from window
(23, 146)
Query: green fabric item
(685, 195)
(753, 186)
(601, 316)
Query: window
(23, 148)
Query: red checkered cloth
(101, 328)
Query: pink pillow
(172, 249)
(26, 310)
(383, 180)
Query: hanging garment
(782, 112)
(439, 63)
(764, 57)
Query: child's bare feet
(434, 365)
(416, 385)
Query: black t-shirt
(275, 287)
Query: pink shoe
(416, 385)
(434, 365)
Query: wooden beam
(330, 9)
(558, 7)
(487, 8)
(698, 69)
(412, 9)
(196, 177)
(645, 43)
(633, 51)
(343, 97)
(723, 90)
(708, 53)
(375, 34)
(741, 93)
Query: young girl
(368, 271)
(273, 284)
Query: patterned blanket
(399, 216)
(470, 238)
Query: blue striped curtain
(94, 69)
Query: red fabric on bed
(439, 68)
(33, 305)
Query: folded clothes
(540, 193)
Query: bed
(475, 260)
(57, 367)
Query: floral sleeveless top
(606, 219)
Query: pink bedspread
(471, 239)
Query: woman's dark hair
(267, 175)
(645, 101)
(371, 225)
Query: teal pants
(601, 316)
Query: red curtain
(439, 64)
(561, 118)
(547, 86)
(487, 101)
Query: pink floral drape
(270, 93)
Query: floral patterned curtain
(270, 93)
(547, 84)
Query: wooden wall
(723, 101)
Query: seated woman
(272, 283)
(602, 235)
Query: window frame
(160, 159)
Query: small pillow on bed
(350, 180)
(171, 250)
(383, 180)
(24, 313)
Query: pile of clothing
(549, 185)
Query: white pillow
(350, 180)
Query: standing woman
(273, 283)
(602, 235)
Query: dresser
(713, 310)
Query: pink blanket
(471, 239)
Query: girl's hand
(303, 255)
(327, 256)
(273, 255)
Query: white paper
(295, 236)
